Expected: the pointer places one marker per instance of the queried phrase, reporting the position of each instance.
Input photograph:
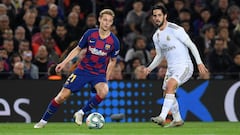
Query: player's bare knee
(102, 93)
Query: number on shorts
(71, 78)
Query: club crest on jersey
(107, 47)
(168, 38)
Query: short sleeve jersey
(99, 51)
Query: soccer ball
(95, 121)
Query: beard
(160, 24)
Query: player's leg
(53, 107)
(73, 84)
(102, 90)
(100, 87)
(168, 101)
(177, 119)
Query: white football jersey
(171, 43)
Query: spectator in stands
(223, 22)
(29, 23)
(18, 72)
(15, 57)
(204, 41)
(198, 5)
(229, 45)
(4, 25)
(42, 61)
(19, 35)
(8, 45)
(219, 60)
(139, 74)
(184, 15)
(236, 35)
(23, 46)
(11, 11)
(161, 72)
(233, 13)
(133, 21)
(62, 37)
(73, 26)
(30, 69)
(43, 9)
(91, 22)
(77, 8)
(3, 9)
(45, 38)
(131, 65)
(205, 18)
(26, 5)
(7, 34)
(221, 9)
(116, 73)
(234, 69)
(46, 20)
(3, 53)
(175, 10)
(54, 14)
(139, 50)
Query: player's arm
(110, 67)
(156, 61)
(193, 48)
(81, 44)
(70, 56)
(188, 42)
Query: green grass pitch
(144, 128)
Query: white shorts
(181, 73)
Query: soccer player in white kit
(172, 42)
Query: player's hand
(59, 67)
(146, 70)
(202, 69)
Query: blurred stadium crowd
(35, 35)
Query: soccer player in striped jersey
(94, 69)
(172, 42)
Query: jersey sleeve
(116, 48)
(185, 39)
(84, 39)
(181, 34)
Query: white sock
(167, 105)
(43, 121)
(175, 111)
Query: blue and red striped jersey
(99, 51)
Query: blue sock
(51, 109)
(92, 103)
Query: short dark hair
(160, 7)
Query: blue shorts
(79, 78)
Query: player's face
(158, 17)
(106, 22)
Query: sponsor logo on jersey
(97, 51)
(169, 48)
